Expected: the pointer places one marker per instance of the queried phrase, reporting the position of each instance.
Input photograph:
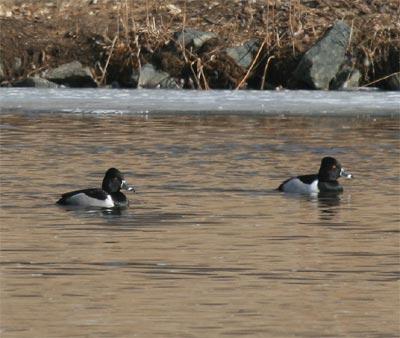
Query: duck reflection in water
(327, 205)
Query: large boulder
(35, 82)
(193, 38)
(72, 74)
(150, 77)
(244, 54)
(321, 63)
(347, 78)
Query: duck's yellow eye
(334, 166)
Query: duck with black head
(109, 196)
(323, 182)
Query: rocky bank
(227, 44)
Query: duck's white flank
(84, 200)
(295, 185)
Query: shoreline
(121, 44)
(160, 102)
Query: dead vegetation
(115, 37)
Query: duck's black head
(114, 180)
(331, 170)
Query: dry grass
(114, 37)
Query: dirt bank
(115, 37)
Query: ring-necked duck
(109, 196)
(323, 182)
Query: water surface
(208, 248)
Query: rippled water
(208, 248)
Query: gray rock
(72, 74)
(193, 37)
(36, 82)
(346, 78)
(320, 63)
(243, 55)
(150, 77)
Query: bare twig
(183, 31)
(147, 13)
(380, 79)
(138, 59)
(201, 75)
(265, 71)
(104, 70)
(251, 66)
(291, 27)
(37, 70)
(195, 76)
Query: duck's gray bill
(345, 174)
(127, 187)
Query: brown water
(207, 248)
